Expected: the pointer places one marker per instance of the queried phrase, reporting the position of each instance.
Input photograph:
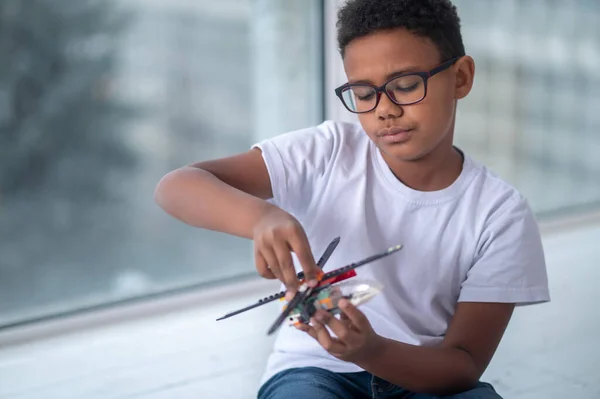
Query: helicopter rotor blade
(326, 255)
(260, 302)
(344, 269)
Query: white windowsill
(148, 349)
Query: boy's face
(427, 126)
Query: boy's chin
(401, 152)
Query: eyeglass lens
(403, 90)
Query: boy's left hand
(356, 340)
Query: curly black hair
(434, 19)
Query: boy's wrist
(262, 211)
(265, 207)
(374, 352)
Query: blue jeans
(317, 383)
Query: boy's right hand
(276, 235)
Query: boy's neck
(436, 171)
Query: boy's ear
(465, 73)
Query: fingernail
(312, 283)
(343, 303)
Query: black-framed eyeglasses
(406, 89)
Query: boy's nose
(387, 108)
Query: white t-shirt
(476, 240)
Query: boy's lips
(394, 134)
(391, 131)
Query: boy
(472, 249)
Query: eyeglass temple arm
(443, 66)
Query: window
(532, 115)
(98, 100)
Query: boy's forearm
(430, 370)
(198, 198)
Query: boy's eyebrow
(389, 76)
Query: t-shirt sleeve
(298, 162)
(510, 264)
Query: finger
(262, 266)
(340, 328)
(286, 265)
(356, 317)
(289, 295)
(300, 246)
(269, 256)
(325, 340)
(347, 321)
(307, 329)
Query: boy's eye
(405, 84)
(365, 97)
(363, 93)
(407, 89)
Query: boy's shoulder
(318, 147)
(492, 184)
(494, 201)
(299, 162)
(330, 133)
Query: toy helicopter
(325, 295)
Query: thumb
(355, 316)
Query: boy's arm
(451, 367)
(229, 195)
(509, 269)
(226, 195)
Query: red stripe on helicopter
(344, 276)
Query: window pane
(533, 112)
(98, 100)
